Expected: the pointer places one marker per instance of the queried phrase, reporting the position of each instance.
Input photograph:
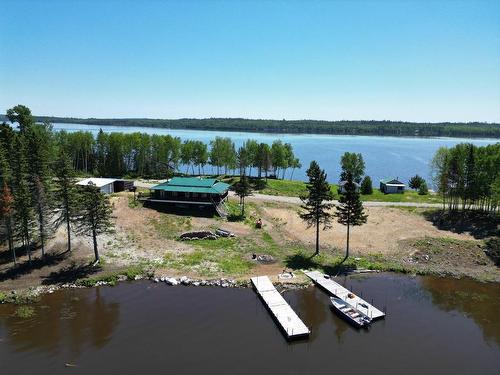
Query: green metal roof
(193, 185)
(391, 180)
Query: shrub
(423, 190)
(366, 186)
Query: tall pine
(65, 194)
(350, 210)
(317, 203)
(94, 215)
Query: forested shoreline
(468, 177)
(354, 127)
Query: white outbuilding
(107, 185)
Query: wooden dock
(289, 322)
(339, 291)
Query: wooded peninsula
(344, 127)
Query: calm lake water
(384, 156)
(433, 326)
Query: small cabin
(392, 186)
(192, 192)
(342, 186)
(107, 185)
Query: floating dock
(339, 291)
(289, 322)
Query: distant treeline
(358, 127)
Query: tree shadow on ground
(6, 256)
(235, 217)
(479, 224)
(27, 267)
(301, 261)
(71, 273)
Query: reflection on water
(478, 301)
(143, 327)
(64, 321)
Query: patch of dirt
(448, 256)
(382, 232)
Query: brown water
(433, 326)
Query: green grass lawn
(297, 188)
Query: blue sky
(332, 60)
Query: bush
(366, 186)
(416, 182)
(423, 190)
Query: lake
(433, 325)
(400, 157)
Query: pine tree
(423, 189)
(95, 215)
(65, 194)
(316, 204)
(243, 189)
(350, 210)
(415, 182)
(366, 186)
(6, 201)
(22, 197)
(6, 214)
(38, 151)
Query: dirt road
(296, 200)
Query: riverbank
(145, 244)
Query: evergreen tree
(95, 215)
(415, 182)
(6, 214)
(366, 186)
(422, 189)
(6, 201)
(316, 204)
(350, 210)
(243, 189)
(22, 198)
(65, 194)
(38, 153)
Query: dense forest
(381, 128)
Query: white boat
(349, 313)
